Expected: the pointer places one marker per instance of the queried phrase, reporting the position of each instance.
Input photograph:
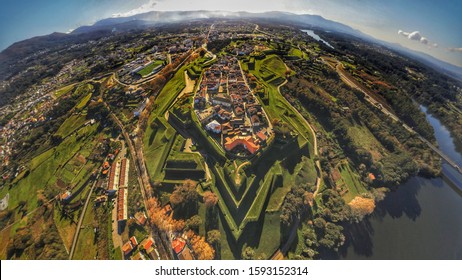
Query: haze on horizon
(432, 27)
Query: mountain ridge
(153, 18)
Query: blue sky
(439, 23)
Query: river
(422, 219)
(316, 37)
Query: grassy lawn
(225, 249)
(148, 69)
(274, 64)
(138, 231)
(157, 145)
(271, 235)
(364, 138)
(62, 91)
(278, 106)
(45, 168)
(169, 93)
(257, 205)
(71, 124)
(83, 102)
(86, 248)
(66, 228)
(296, 52)
(352, 181)
(304, 173)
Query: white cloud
(146, 7)
(416, 36)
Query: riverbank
(420, 220)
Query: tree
(184, 193)
(156, 214)
(293, 205)
(177, 225)
(185, 196)
(214, 237)
(248, 253)
(202, 249)
(194, 223)
(210, 199)
(361, 207)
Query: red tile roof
(178, 245)
(127, 248)
(371, 176)
(247, 142)
(133, 241)
(147, 243)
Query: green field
(157, 144)
(70, 125)
(365, 139)
(352, 181)
(86, 248)
(83, 102)
(148, 69)
(62, 91)
(46, 167)
(296, 52)
(278, 107)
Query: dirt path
(238, 176)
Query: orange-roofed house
(261, 136)
(371, 176)
(178, 245)
(246, 142)
(127, 248)
(141, 218)
(134, 241)
(147, 245)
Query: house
(214, 126)
(226, 127)
(178, 245)
(122, 205)
(224, 115)
(238, 110)
(261, 136)
(147, 245)
(141, 218)
(205, 115)
(371, 176)
(181, 249)
(123, 175)
(221, 99)
(236, 122)
(113, 184)
(134, 241)
(127, 248)
(65, 196)
(247, 142)
(255, 119)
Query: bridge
(441, 154)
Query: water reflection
(420, 220)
